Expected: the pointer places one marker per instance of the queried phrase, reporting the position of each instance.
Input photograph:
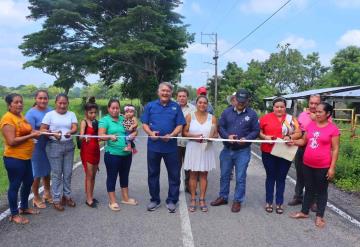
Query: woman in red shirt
(321, 153)
(90, 150)
(276, 124)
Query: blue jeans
(19, 173)
(228, 159)
(61, 157)
(173, 169)
(117, 166)
(276, 170)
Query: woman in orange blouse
(19, 145)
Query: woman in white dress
(200, 154)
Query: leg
(283, 169)
(35, 190)
(112, 170)
(68, 167)
(242, 159)
(299, 187)
(226, 165)
(173, 170)
(55, 154)
(15, 172)
(309, 189)
(321, 191)
(269, 165)
(193, 184)
(124, 179)
(27, 181)
(90, 181)
(47, 195)
(154, 159)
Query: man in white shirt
(182, 99)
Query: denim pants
(19, 173)
(173, 169)
(228, 159)
(61, 158)
(117, 166)
(276, 170)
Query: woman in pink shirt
(321, 153)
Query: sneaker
(171, 207)
(152, 206)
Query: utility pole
(213, 37)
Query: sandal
(114, 206)
(192, 208)
(58, 206)
(48, 199)
(130, 201)
(203, 208)
(92, 204)
(38, 204)
(298, 215)
(269, 208)
(29, 211)
(279, 209)
(18, 219)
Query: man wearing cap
(163, 119)
(202, 91)
(239, 122)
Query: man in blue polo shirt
(163, 119)
(236, 122)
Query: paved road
(134, 226)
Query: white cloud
(347, 3)
(269, 6)
(351, 37)
(195, 7)
(13, 12)
(299, 42)
(197, 48)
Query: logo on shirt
(174, 108)
(247, 118)
(313, 141)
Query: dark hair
(10, 97)
(279, 99)
(61, 95)
(40, 91)
(91, 104)
(201, 96)
(113, 101)
(183, 90)
(327, 108)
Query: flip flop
(130, 201)
(320, 223)
(18, 219)
(40, 204)
(29, 211)
(114, 206)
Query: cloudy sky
(324, 26)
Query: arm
(264, 137)
(10, 136)
(72, 131)
(299, 142)
(150, 133)
(134, 125)
(104, 136)
(335, 140)
(215, 134)
(222, 127)
(82, 129)
(186, 128)
(255, 128)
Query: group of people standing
(41, 143)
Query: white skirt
(199, 156)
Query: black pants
(299, 187)
(316, 183)
(117, 166)
(181, 154)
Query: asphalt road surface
(134, 226)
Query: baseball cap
(242, 95)
(201, 90)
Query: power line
(211, 13)
(227, 14)
(255, 29)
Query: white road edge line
(330, 205)
(187, 237)
(6, 213)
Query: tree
(346, 67)
(142, 42)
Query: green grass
(75, 106)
